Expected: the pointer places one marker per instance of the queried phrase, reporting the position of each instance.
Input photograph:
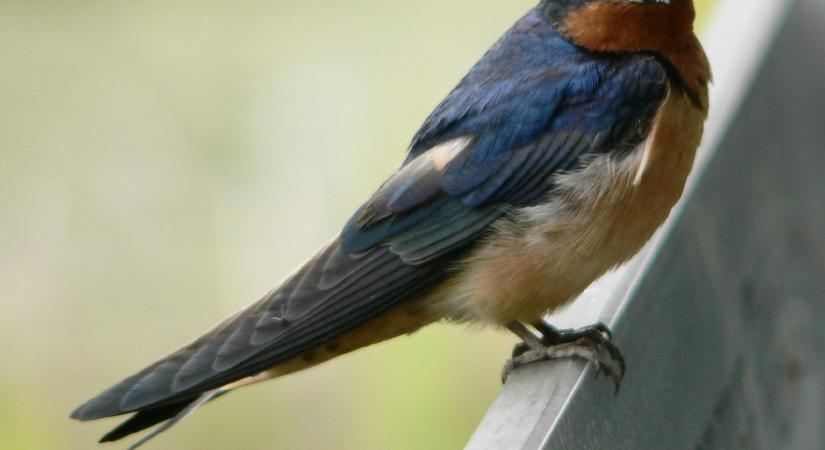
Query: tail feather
(168, 414)
(333, 294)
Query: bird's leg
(585, 343)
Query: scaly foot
(585, 343)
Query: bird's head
(623, 25)
(660, 27)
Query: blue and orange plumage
(553, 160)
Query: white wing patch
(443, 153)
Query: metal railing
(722, 316)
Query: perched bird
(554, 160)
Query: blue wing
(534, 106)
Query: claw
(585, 343)
(603, 341)
(506, 370)
(599, 333)
(603, 367)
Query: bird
(552, 162)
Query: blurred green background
(164, 163)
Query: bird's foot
(598, 333)
(586, 343)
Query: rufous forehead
(622, 25)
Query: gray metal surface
(722, 317)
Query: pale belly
(544, 256)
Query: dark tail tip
(145, 419)
(170, 414)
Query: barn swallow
(553, 161)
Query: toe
(519, 349)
